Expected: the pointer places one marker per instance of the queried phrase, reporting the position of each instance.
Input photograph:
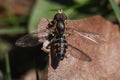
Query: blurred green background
(19, 17)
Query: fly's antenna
(60, 11)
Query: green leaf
(116, 9)
(14, 30)
(82, 2)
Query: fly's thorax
(60, 27)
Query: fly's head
(60, 16)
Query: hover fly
(56, 35)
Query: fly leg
(46, 46)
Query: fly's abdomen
(61, 50)
(60, 47)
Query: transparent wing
(31, 39)
(78, 53)
(96, 38)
